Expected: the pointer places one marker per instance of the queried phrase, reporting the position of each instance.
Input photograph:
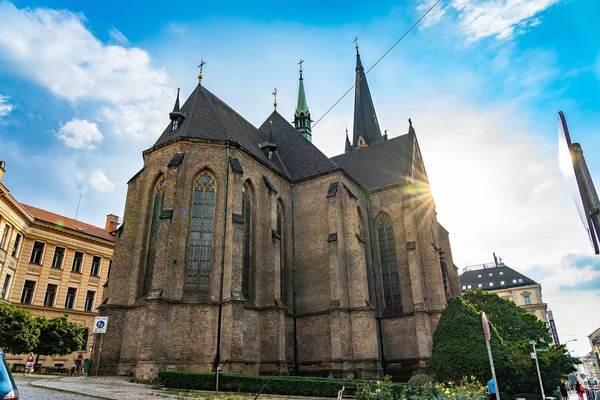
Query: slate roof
(208, 117)
(65, 222)
(380, 164)
(494, 275)
(298, 156)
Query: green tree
(58, 336)
(512, 322)
(19, 333)
(459, 347)
(516, 327)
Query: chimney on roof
(112, 223)
(2, 170)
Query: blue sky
(85, 87)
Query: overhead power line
(380, 58)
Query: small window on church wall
(174, 125)
(387, 260)
(247, 254)
(156, 209)
(201, 235)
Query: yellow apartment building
(52, 265)
(507, 283)
(594, 338)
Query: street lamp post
(565, 344)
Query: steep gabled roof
(495, 275)
(207, 117)
(380, 164)
(299, 156)
(64, 222)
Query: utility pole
(537, 365)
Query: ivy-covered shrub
(281, 385)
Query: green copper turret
(302, 119)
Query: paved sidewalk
(109, 387)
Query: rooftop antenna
(495, 260)
(78, 203)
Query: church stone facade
(248, 249)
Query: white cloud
(55, 49)
(5, 106)
(80, 134)
(118, 37)
(434, 16)
(502, 19)
(97, 180)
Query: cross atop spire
(356, 43)
(274, 99)
(300, 64)
(202, 63)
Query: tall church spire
(302, 119)
(366, 125)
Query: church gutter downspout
(218, 355)
(294, 282)
(383, 364)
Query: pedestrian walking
(29, 364)
(580, 390)
(492, 389)
(78, 364)
(564, 391)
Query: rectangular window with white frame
(27, 295)
(5, 237)
(5, 286)
(17, 245)
(70, 299)
(96, 262)
(77, 261)
(50, 295)
(89, 300)
(37, 253)
(59, 256)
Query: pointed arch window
(201, 234)
(247, 252)
(156, 209)
(281, 248)
(388, 262)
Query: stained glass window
(156, 209)
(387, 259)
(247, 254)
(201, 235)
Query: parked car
(8, 388)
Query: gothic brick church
(248, 249)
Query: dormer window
(174, 125)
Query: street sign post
(488, 336)
(537, 365)
(100, 326)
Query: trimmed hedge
(282, 385)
